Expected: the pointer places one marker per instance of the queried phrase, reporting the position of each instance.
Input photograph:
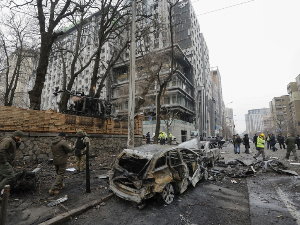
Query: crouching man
(8, 148)
(60, 150)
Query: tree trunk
(94, 77)
(157, 128)
(35, 94)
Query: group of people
(60, 149)
(237, 141)
(290, 143)
(259, 141)
(162, 138)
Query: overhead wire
(223, 7)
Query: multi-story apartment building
(294, 108)
(191, 91)
(192, 42)
(218, 96)
(254, 120)
(267, 124)
(279, 108)
(229, 123)
(177, 104)
(88, 43)
(23, 70)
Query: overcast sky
(256, 47)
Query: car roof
(148, 151)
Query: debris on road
(72, 169)
(240, 168)
(185, 221)
(103, 176)
(58, 201)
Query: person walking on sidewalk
(273, 143)
(233, 142)
(268, 141)
(260, 146)
(8, 148)
(246, 143)
(80, 151)
(237, 144)
(148, 138)
(255, 140)
(60, 149)
(280, 140)
(298, 142)
(290, 147)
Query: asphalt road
(266, 198)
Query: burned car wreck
(206, 149)
(143, 172)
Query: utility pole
(131, 102)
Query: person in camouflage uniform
(8, 148)
(80, 151)
(290, 147)
(60, 149)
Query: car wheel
(168, 194)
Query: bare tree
(109, 25)
(18, 50)
(50, 16)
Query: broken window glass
(174, 158)
(161, 161)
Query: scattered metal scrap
(242, 168)
(58, 201)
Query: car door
(179, 170)
(190, 158)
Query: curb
(74, 212)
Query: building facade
(293, 126)
(279, 108)
(254, 120)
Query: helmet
(80, 132)
(262, 135)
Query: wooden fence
(27, 120)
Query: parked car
(212, 139)
(143, 172)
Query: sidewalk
(31, 207)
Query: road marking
(288, 204)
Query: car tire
(168, 194)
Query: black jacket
(272, 140)
(246, 140)
(255, 139)
(280, 139)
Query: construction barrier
(50, 121)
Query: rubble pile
(243, 168)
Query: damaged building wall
(35, 147)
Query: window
(155, 6)
(161, 161)
(174, 158)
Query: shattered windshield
(133, 164)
